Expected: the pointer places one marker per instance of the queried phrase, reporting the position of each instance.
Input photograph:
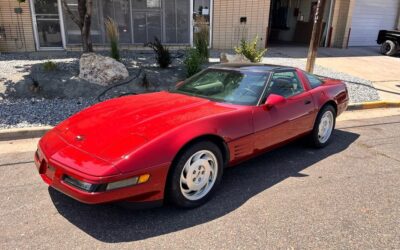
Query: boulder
(101, 70)
(237, 58)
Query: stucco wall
(16, 29)
(227, 29)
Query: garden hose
(123, 82)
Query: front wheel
(196, 175)
(323, 127)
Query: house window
(146, 4)
(119, 11)
(177, 22)
(73, 34)
(146, 26)
(139, 21)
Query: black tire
(389, 48)
(173, 189)
(314, 137)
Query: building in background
(43, 24)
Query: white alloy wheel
(325, 126)
(198, 175)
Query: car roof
(251, 67)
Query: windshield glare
(233, 86)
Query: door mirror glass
(274, 100)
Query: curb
(36, 132)
(374, 105)
(23, 133)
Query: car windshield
(232, 86)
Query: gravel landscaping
(18, 69)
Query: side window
(286, 84)
(313, 80)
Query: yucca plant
(250, 50)
(201, 38)
(113, 36)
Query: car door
(287, 120)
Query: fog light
(123, 183)
(79, 184)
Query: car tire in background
(195, 175)
(389, 48)
(323, 128)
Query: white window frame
(35, 30)
(192, 23)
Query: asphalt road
(344, 196)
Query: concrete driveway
(382, 71)
(345, 196)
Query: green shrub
(49, 66)
(250, 50)
(113, 36)
(193, 62)
(201, 38)
(163, 56)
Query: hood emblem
(79, 138)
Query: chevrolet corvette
(174, 145)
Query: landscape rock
(238, 58)
(101, 70)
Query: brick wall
(16, 29)
(227, 30)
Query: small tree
(83, 19)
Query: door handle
(306, 102)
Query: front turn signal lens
(143, 178)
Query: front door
(46, 17)
(202, 18)
(286, 120)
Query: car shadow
(111, 223)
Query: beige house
(43, 24)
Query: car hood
(112, 129)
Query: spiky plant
(113, 36)
(163, 55)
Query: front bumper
(53, 172)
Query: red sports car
(174, 145)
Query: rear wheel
(196, 175)
(389, 48)
(324, 126)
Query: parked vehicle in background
(389, 41)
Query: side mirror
(274, 100)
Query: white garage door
(370, 16)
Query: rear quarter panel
(331, 90)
